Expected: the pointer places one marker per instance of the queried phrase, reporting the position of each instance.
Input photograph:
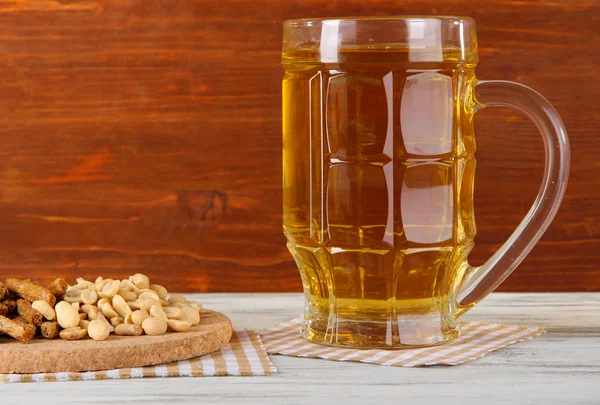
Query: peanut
(90, 310)
(108, 311)
(71, 290)
(73, 295)
(128, 319)
(196, 305)
(89, 296)
(156, 311)
(141, 281)
(190, 315)
(126, 294)
(139, 316)
(154, 326)
(100, 283)
(134, 305)
(102, 318)
(128, 330)
(160, 290)
(127, 307)
(74, 333)
(102, 302)
(66, 315)
(129, 286)
(45, 309)
(177, 299)
(145, 304)
(83, 284)
(172, 312)
(178, 326)
(149, 295)
(120, 306)
(98, 330)
(110, 290)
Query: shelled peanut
(128, 307)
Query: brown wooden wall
(145, 136)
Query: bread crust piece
(11, 305)
(30, 291)
(30, 315)
(50, 330)
(58, 288)
(3, 309)
(21, 331)
(3, 291)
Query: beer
(379, 164)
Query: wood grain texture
(559, 367)
(146, 136)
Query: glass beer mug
(378, 170)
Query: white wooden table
(562, 366)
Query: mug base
(408, 332)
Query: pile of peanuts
(128, 307)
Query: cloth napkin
(476, 340)
(245, 355)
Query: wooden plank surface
(145, 136)
(562, 366)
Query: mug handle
(478, 282)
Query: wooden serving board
(49, 356)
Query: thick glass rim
(308, 21)
(415, 38)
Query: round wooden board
(49, 356)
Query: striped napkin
(245, 355)
(476, 340)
